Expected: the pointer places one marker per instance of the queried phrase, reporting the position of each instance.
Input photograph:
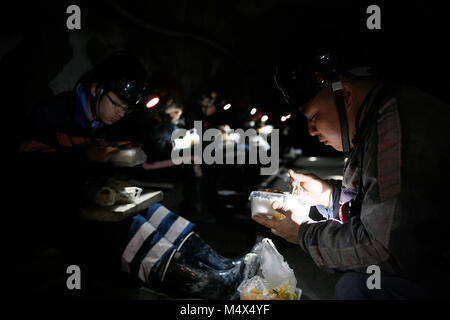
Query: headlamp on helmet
(126, 77)
(301, 80)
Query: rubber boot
(187, 272)
(190, 277)
(204, 253)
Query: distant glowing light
(284, 118)
(264, 118)
(227, 106)
(266, 129)
(253, 111)
(152, 102)
(191, 137)
(312, 159)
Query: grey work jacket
(402, 226)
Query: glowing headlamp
(152, 101)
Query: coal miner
(389, 210)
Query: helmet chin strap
(96, 109)
(339, 97)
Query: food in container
(129, 155)
(261, 203)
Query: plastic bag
(272, 278)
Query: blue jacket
(59, 124)
(52, 162)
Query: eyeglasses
(126, 110)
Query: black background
(227, 46)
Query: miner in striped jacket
(60, 152)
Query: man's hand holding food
(287, 228)
(310, 186)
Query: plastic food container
(129, 157)
(261, 203)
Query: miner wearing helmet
(389, 211)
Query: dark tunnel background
(227, 46)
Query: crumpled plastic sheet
(267, 276)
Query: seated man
(63, 150)
(387, 212)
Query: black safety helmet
(124, 75)
(299, 78)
